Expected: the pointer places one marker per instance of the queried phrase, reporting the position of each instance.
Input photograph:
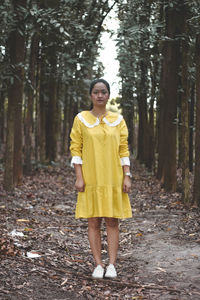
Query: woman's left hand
(126, 184)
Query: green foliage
(140, 41)
(69, 31)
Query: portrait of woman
(100, 157)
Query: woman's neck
(98, 112)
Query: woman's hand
(79, 184)
(126, 184)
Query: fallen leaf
(139, 234)
(22, 220)
(194, 255)
(161, 269)
(16, 233)
(65, 281)
(28, 229)
(33, 254)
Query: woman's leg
(94, 235)
(113, 238)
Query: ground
(45, 254)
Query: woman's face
(99, 95)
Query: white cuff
(76, 160)
(125, 161)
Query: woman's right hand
(79, 184)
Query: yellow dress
(100, 145)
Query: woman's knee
(94, 223)
(111, 222)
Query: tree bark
(30, 101)
(13, 154)
(185, 118)
(9, 150)
(142, 110)
(51, 138)
(191, 133)
(196, 195)
(171, 53)
(151, 153)
(65, 130)
(2, 118)
(42, 112)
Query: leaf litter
(45, 254)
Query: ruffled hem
(107, 201)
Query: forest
(49, 53)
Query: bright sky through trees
(108, 53)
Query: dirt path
(159, 254)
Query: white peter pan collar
(113, 124)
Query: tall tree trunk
(185, 113)
(142, 110)
(51, 138)
(160, 129)
(131, 128)
(143, 130)
(42, 113)
(151, 139)
(191, 133)
(128, 111)
(13, 154)
(2, 117)
(36, 124)
(66, 113)
(58, 125)
(151, 152)
(9, 150)
(159, 142)
(180, 127)
(196, 196)
(30, 100)
(171, 51)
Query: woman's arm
(127, 179)
(76, 153)
(124, 156)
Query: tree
(28, 128)
(185, 106)
(61, 40)
(156, 55)
(13, 153)
(196, 195)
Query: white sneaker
(110, 271)
(98, 272)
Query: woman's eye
(101, 92)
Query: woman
(100, 157)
